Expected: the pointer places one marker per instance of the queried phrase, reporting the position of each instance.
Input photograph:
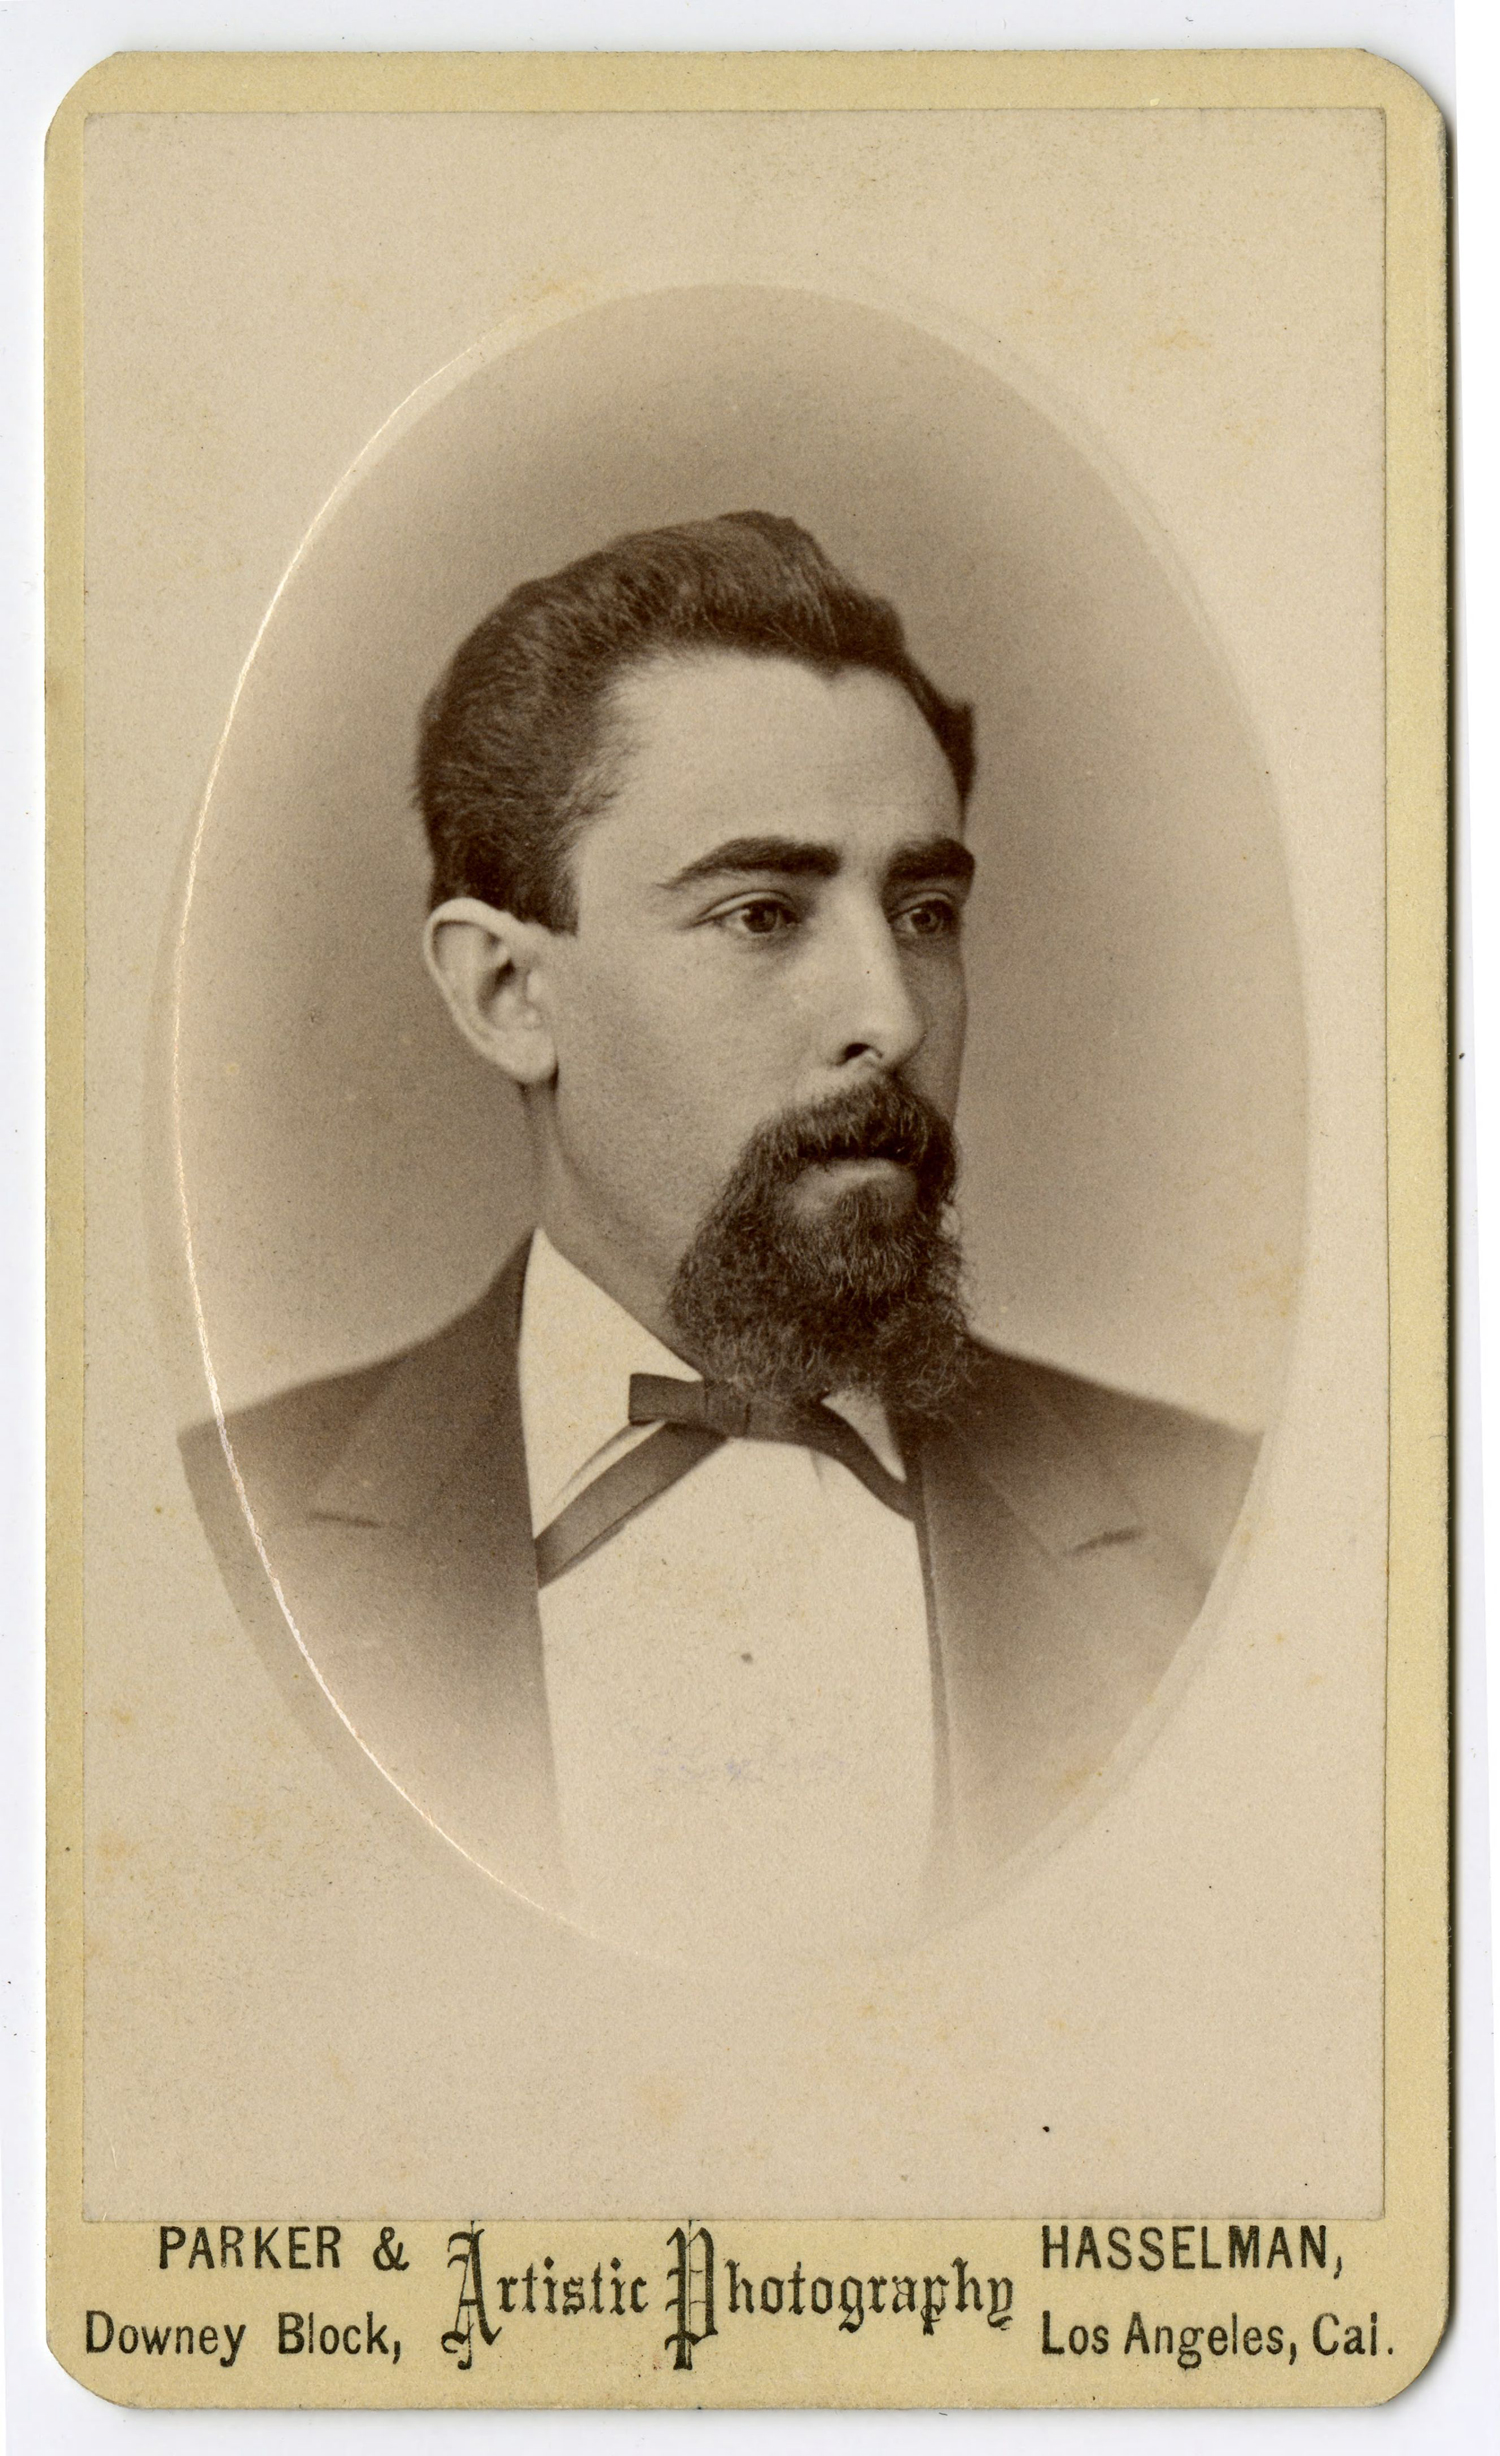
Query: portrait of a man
(737, 1118)
(709, 1578)
(748, 1413)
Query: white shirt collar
(577, 1351)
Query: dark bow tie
(692, 1419)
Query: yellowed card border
(1406, 2254)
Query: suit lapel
(423, 1533)
(1054, 1613)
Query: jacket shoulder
(284, 1446)
(1185, 1473)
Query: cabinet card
(749, 1409)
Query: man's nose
(870, 1010)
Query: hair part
(518, 753)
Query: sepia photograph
(915, 1589)
(760, 1578)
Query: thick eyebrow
(935, 858)
(755, 856)
(938, 860)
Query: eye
(934, 916)
(758, 916)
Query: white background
(43, 50)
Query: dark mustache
(878, 1120)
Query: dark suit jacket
(1069, 1533)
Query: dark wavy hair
(516, 754)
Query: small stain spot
(747, 1658)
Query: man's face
(768, 915)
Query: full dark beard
(790, 1304)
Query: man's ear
(486, 964)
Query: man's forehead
(722, 744)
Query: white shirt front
(739, 1680)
